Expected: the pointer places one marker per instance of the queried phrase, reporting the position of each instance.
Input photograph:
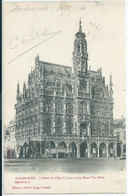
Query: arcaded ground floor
(66, 149)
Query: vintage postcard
(64, 97)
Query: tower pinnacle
(110, 86)
(18, 91)
(80, 27)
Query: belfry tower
(80, 74)
(80, 55)
(81, 88)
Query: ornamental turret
(18, 92)
(24, 91)
(110, 86)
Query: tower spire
(110, 86)
(110, 83)
(24, 90)
(80, 26)
(18, 91)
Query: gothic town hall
(65, 112)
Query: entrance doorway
(72, 150)
(83, 150)
(111, 150)
(94, 150)
(102, 150)
(62, 150)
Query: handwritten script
(34, 34)
(16, 41)
(63, 8)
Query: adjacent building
(10, 140)
(120, 134)
(65, 111)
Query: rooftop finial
(110, 82)
(80, 27)
(31, 70)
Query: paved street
(65, 165)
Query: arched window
(99, 131)
(82, 48)
(98, 110)
(124, 148)
(106, 125)
(48, 106)
(78, 48)
(69, 108)
(58, 108)
(93, 92)
(59, 126)
(48, 126)
(103, 111)
(69, 126)
(83, 108)
(106, 110)
(98, 125)
(58, 86)
(92, 109)
(83, 129)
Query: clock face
(83, 84)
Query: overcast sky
(48, 30)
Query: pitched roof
(53, 71)
(56, 68)
(12, 122)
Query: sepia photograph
(64, 97)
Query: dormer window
(82, 48)
(78, 48)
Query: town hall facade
(64, 111)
